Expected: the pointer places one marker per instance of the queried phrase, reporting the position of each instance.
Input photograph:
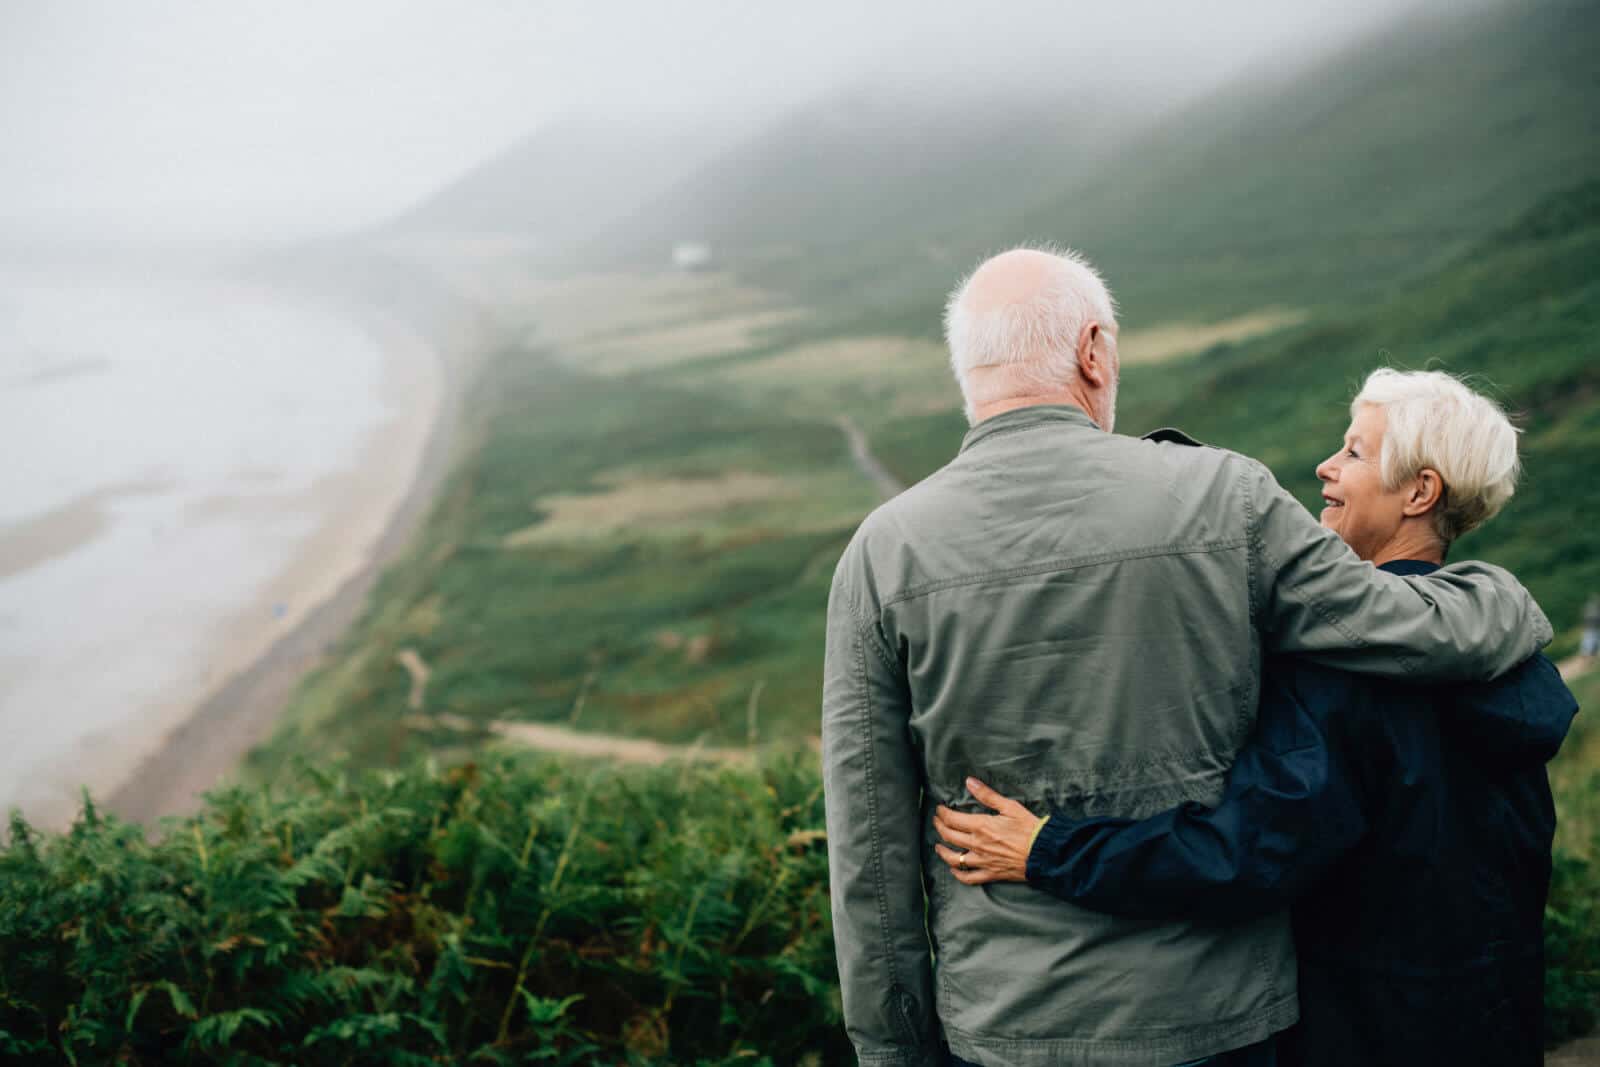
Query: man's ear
(1427, 490)
(1093, 363)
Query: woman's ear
(1427, 490)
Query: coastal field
(642, 544)
(549, 789)
(632, 550)
(641, 548)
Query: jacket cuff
(1035, 835)
(1048, 839)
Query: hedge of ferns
(513, 912)
(524, 910)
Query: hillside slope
(1301, 186)
(885, 161)
(1519, 313)
(1377, 166)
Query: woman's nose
(1325, 469)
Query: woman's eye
(1351, 453)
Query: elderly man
(1129, 587)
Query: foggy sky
(145, 120)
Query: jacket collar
(1025, 419)
(1407, 567)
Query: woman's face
(1356, 506)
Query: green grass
(674, 629)
(669, 630)
(1572, 919)
(666, 633)
(1518, 314)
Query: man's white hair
(1435, 421)
(1036, 337)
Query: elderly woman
(1410, 828)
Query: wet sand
(367, 515)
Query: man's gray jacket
(1078, 619)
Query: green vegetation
(693, 609)
(640, 538)
(676, 623)
(1572, 919)
(1518, 314)
(523, 911)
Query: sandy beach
(368, 513)
(224, 693)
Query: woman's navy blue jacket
(1410, 827)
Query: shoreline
(204, 748)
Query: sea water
(160, 448)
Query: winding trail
(564, 740)
(887, 485)
(1573, 666)
(567, 741)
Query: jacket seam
(1066, 563)
(1001, 431)
(865, 630)
(1250, 556)
(1101, 778)
(880, 888)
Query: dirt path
(1573, 666)
(887, 485)
(563, 740)
(1584, 1052)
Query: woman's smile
(1356, 505)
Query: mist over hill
(1303, 180)
(1380, 164)
(890, 163)
(1297, 185)
(885, 160)
(563, 182)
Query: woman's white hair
(1436, 422)
(1036, 337)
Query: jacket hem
(1176, 1046)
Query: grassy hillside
(1519, 313)
(1376, 167)
(621, 553)
(643, 542)
(1292, 187)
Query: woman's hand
(987, 848)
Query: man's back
(1073, 612)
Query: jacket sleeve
(873, 796)
(1313, 595)
(1293, 805)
